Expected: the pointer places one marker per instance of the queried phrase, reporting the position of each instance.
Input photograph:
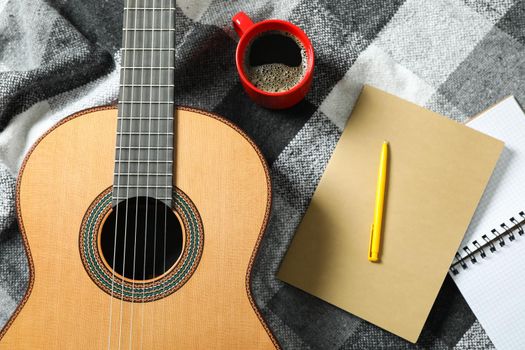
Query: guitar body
(223, 174)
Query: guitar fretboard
(144, 153)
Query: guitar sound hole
(149, 239)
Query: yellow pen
(375, 230)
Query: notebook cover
(438, 170)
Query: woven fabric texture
(454, 57)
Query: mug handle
(241, 23)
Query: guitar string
(124, 57)
(141, 111)
(171, 13)
(167, 111)
(127, 183)
(147, 175)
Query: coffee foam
(277, 77)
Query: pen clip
(370, 244)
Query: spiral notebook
(489, 268)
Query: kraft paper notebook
(438, 170)
(489, 268)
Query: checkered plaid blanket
(455, 57)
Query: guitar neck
(144, 154)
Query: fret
(143, 126)
(146, 67)
(148, 49)
(139, 148)
(142, 181)
(165, 197)
(149, 3)
(143, 167)
(148, 39)
(152, 21)
(145, 139)
(145, 43)
(146, 156)
(147, 85)
(126, 151)
(149, 9)
(119, 198)
(144, 160)
(147, 94)
(123, 163)
(140, 161)
(149, 133)
(121, 192)
(147, 77)
(145, 118)
(151, 186)
(148, 59)
(143, 186)
(130, 57)
(138, 110)
(142, 110)
(152, 76)
(142, 39)
(142, 174)
(146, 102)
(154, 164)
(149, 29)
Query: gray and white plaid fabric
(456, 57)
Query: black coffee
(275, 61)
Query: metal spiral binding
(480, 249)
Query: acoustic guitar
(149, 244)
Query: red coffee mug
(247, 30)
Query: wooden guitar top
(226, 178)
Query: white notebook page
(494, 287)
